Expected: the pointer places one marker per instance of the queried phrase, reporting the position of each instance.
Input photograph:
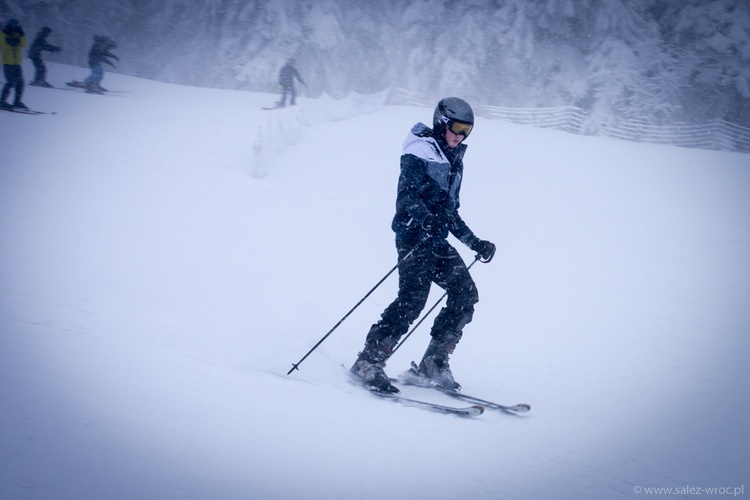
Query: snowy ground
(167, 252)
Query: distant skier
(39, 45)
(12, 40)
(427, 205)
(98, 55)
(286, 79)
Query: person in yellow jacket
(12, 40)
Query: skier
(99, 54)
(286, 80)
(35, 54)
(427, 205)
(12, 40)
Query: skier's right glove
(485, 250)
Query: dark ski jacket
(100, 53)
(40, 44)
(429, 184)
(287, 75)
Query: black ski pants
(13, 81)
(428, 264)
(40, 69)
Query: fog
(662, 62)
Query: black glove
(485, 250)
(430, 224)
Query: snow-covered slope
(157, 282)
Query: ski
(471, 411)
(50, 87)
(27, 111)
(412, 378)
(514, 409)
(92, 90)
(85, 88)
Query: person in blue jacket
(99, 54)
(427, 206)
(39, 45)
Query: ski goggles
(458, 128)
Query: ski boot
(93, 88)
(40, 83)
(369, 366)
(434, 370)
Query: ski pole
(295, 366)
(430, 310)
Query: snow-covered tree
(629, 69)
(657, 60)
(713, 39)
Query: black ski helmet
(12, 27)
(452, 108)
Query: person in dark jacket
(427, 206)
(12, 40)
(98, 55)
(39, 45)
(286, 80)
